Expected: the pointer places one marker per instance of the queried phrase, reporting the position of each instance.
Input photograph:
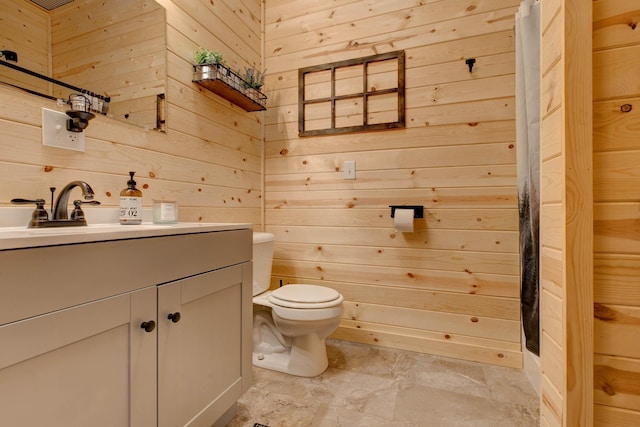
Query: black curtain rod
(52, 80)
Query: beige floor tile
(273, 409)
(374, 386)
(332, 416)
(507, 385)
(431, 407)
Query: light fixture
(80, 113)
(9, 55)
(51, 4)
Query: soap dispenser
(131, 203)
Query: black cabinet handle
(148, 326)
(174, 317)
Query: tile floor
(374, 386)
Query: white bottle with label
(131, 204)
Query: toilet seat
(305, 297)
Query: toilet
(290, 323)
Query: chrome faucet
(60, 209)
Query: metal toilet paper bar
(418, 210)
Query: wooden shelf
(225, 83)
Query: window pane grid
(342, 112)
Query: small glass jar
(165, 212)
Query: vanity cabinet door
(71, 367)
(199, 353)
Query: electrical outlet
(55, 133)
(349, 169)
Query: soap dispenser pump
(131, 203)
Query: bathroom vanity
(124, 325)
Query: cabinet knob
(148, 326)
(174, 317)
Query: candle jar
(165, 212)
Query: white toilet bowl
(290, 323)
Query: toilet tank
(262, 258)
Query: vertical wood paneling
(456, 157)
(210, 158)
(552, 247)
(566, 214)
(579, 213)
(550, 403)
(616, 239)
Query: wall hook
(470, 63)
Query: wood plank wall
(452, 286)
(566, 216)
(26, 30)
(616, 103)
(117, 47)
(210, 158)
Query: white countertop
(103, 226)
(22, 237)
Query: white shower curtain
(528, 163)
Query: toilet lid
(305, 296)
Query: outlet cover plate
(55, 133)
(349, 169)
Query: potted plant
(253, 78)
(204, 56)
(206, 62)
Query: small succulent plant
(204, 56)
(253, 78)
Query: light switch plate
(349, 169)
(55, 133)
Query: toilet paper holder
(418, 211)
